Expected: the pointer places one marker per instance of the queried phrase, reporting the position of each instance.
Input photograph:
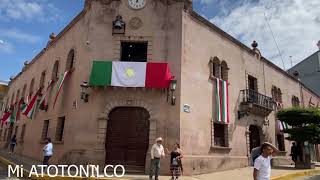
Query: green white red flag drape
(61, 82)
(222, 101)
(6, 116)
(30, 108)
(18, 111)
(42, 101)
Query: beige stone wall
(85, 128)
(200, 44)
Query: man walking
(48, 151)
(262, 165)
(157, 152)
(294, 152)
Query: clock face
(137, 4)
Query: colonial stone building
(102, 125)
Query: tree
(305, 125)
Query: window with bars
(45, 130)
(295, 101)
(134, 51)
(276, 94)
(70, 61)
(60, 129)
(55, 71)
(23, 131)
(31, 87)
(220, 135)
(42, 80)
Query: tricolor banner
(42, 101)
(130, 74)
(222, 101)
(61, 82)
(29, 109)
(282, 125)
(6, 116)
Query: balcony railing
(249, 96)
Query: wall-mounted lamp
(172, 88)
(84, 94)
(118, 26)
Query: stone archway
(103, 120)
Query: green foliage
(305, 124)
(298, 116)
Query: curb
(297, 174)
(26, 173)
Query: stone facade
(190, 45)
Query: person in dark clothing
(13, 143)
(294, 152)
(175, 161)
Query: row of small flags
(29, 107)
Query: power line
(274, 39)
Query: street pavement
(309, 178)
(4, 172)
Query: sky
(291, 25)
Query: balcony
(255, 103)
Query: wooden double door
(127, 137)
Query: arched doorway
(254, 136)
(127, 137)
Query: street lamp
(172, 88)
(84, 94)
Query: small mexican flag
(18, 110)
(42, 101)
(222, 101)
(6, 116)
(29, 109)
(130, 74)
(283, 125)
(61, 82)
(13, 115)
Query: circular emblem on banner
(135, 23)
(130, 72)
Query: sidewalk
(236, 174)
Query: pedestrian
(48, 151)
(262, 165)
(157, 152)
(175, 161)
(294, 152)
(13, 143)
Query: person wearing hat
(157, 152)
(262, 165)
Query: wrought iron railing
(251, 96)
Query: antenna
(290, 60)
(318, 44)
(274, 39)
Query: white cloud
(27, 10)
(6, 47)
(295, 24)
(19, 36)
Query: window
(12, 99)
(252, 83)
(215, 67)
(55, 71)
(60, 128)
(31, 87)
(276, 94)
(23, 131)
(295, 101)
(18, 96)
(220, 132)
(280, 140)
(24, 91)
(134, 51)
(70, 60)
(45, 130)
(15, 130)
(42, 79)
(224, 71)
